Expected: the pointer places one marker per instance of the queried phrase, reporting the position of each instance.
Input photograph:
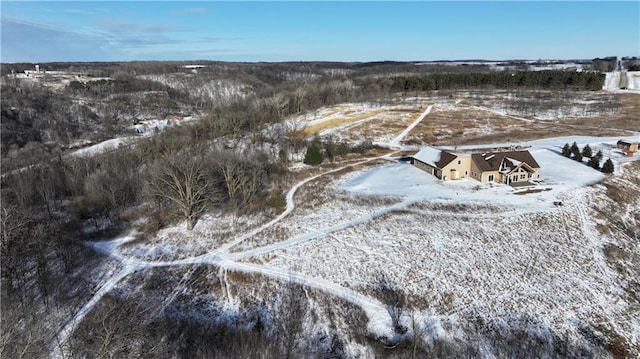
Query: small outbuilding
(628, 147)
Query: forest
(53, 200)
(547, 80)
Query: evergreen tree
(574, 148)
(594, 162)
(314, 154)
(607, 167)
(566, 150)
(577, 156)
(586, 151)
(599, 155)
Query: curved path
(378, 315)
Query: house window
(459, 162)
(490, 179)
(466, 173)
(523, 176)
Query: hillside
(363, 255)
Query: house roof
(499, 161)
(434, 157)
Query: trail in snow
(109, 248)
(395, 143)
(379, 319)
(312, 235)
(214, 255)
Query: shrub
(277, 201)
(314, 154)
(586, 151)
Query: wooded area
(547, 80)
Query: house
(627, 146)
(442, 164)
(508, 167)
(504, 167)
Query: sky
(51, 31)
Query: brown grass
(310, 130)
(477, 126)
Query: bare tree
(279, 103)
(299, 97)
(185, 182)
(243, 175)
(296, 132)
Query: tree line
(578, 155)
(548, 80)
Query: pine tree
(314, 155)
(586, 151)
(607, 167)
(575, 150)
(594, 162)
(577, 156)
(599, 155)
(574, 147)
(566, 150)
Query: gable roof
(498, 161)
(434, 157)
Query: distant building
(627, 146)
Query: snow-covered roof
(515, 162)
(428, 155)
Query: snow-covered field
(460, 250)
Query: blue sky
(47, 31)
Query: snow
(103, 147)
(471, 250)
(428, 155)
(612, 82)
(558, 174)
(633, 79)
(396, 141)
